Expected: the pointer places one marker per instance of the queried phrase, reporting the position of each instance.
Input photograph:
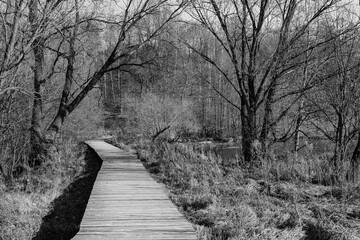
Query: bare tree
(16, 42)
(156, 115)
(333, 105)
(121, 53)
(49, 35)
(263, 41)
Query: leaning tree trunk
(63, 110)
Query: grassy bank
(26, 200)
(278, 200)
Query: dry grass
(278, 200)
(25, 201)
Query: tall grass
(27, 200)
(276, 200)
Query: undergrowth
(226, 200)
(27, 199)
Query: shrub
(156, 116)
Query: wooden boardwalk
(126, 203)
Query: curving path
(126, 203)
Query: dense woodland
(260, 72)
(276, 78)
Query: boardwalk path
(126, 203)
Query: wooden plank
(126, 203)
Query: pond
(225, 150)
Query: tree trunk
(159, 131)
(299, 119)
(339, 146)
(268, 115)
(63, 110)
(296, 133)
(38, 149)
(249, 130)
(38, 81)
(355, 163)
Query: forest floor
(226, 201)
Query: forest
(248, 111)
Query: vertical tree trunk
(299, 117)
(268, 115)
(38, 81)
(104, 87)
(119, 93)
(339, 146)
(113, 96)
(249, 131)
(36, 137)
(355, 161)
(297, 130)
